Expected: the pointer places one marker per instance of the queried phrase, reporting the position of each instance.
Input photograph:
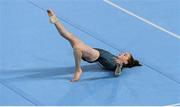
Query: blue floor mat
(36, 64)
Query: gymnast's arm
(118, 70)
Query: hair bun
(136, 63)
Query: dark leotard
(105, 59)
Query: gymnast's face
(124, 57)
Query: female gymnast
(91, 55)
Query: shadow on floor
(50, 73)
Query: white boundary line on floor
(142, 19)
(172, 105)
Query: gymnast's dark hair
(132, 63)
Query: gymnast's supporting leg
(75, 43)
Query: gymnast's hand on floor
(77, 75)
(117, 61)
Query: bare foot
(77, 75)
(50, 13)
(53, 19)
(74, 80)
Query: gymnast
(84, 52)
